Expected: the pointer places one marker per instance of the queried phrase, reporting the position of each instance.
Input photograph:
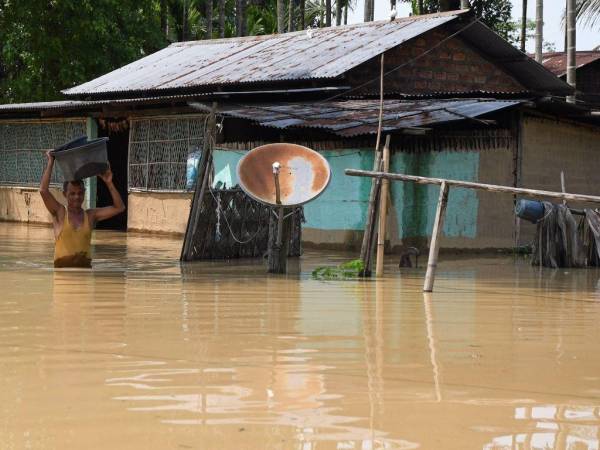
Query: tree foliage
(46, 46)
(50, 45)
(588, 12)
(496, 14)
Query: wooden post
(434, 246)
(277, 254)
(445, 184)
(534, 193)
(563, 186)
(383, 196)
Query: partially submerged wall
(158, 212)
(24, 204)
(474, 219)
(550, 146)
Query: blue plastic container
(191, 173)
(530, 210)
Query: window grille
(159, 149)
(23, 146)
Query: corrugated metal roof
(322, 53)
(556, 62)
(86, 105)
(63, 105)
(359, 117)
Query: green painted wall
(343, 205)
(415, 204)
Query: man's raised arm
(52, 205)
(117, 207)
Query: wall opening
(117, 149)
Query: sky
(587, 38)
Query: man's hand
(107, 176)
(50, 156)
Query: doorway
(117, 131)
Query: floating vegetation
(346, 271)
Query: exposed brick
(461, 69)
(453, 61)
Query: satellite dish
(303, 174)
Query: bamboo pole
(534, 193)
(434, 246)
(383, 195)
(445, 185)
(201, 186)
(366, 247)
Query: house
(460, 103)
(587, 74)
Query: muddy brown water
(142, 353)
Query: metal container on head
(303, 174)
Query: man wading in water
(72, 224)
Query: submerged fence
(232, 225)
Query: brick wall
(451, 67)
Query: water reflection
(553, 427)
(220, 355)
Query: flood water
(142, 353)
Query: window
(23, 145)
(159, 149)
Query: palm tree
(164, 17)
(221, 18)
(539, 29)
(280, 17)
(368, 11)
(588, 12)
(524, 26)
(328, 13)
(208, 13)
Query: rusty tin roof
(556, 62)
(360, 117)
(315, 54)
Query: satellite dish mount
(282, 176)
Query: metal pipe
(276, 168)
